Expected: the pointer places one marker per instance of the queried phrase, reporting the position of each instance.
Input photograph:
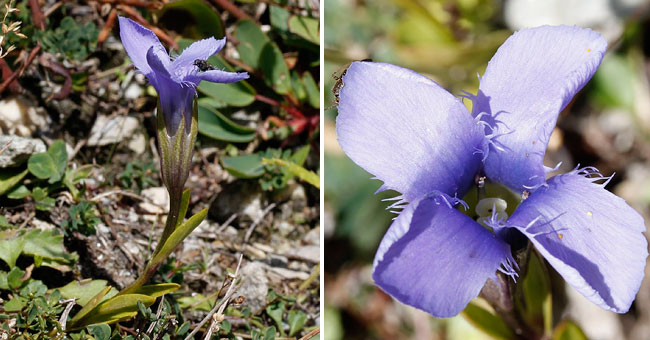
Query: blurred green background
(607, 126)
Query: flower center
(491, 204)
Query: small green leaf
(487, 322)
(9, 177)
(568, 330)
(195, 302)
(59, 156)
(215, 125)
(200, 20)
(19, 192)
(100, 332)
(16, 304)
(297, 321)
(11, 249)
(269, 333)
(41, 165)
(306, 27)
(275, 311)
(14, 278)
(244, 166)
(279, 18)
(51, 164)
(274, 68)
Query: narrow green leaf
(157, 290)
(90, 306)
(568, 330)
(117, 308)
(185, 203)
(177, 237)
(537, 294)
(302, 173)
(487, 322)
(9, 177)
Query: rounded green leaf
(245, 166)
(275, 69)
(214, 124)
(42, 165)
(306, 27)
(251, 42)
(487, 322)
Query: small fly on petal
(203, 65)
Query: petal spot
(560, 236)
(589, 213)
(589, 50)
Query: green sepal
(487, 322)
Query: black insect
(203, 65)
(338, 77)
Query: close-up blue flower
(422, 142)
(175, 80)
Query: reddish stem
(37, 14)
(19, 71)
(108, 26)
(142, 21)
(232, 9)
(6, 73)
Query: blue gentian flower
(175, 81)
(422, 142)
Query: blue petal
(137, 40)
(217, 76)
(183, 65)
(176, 98)
(589, 235)
(530, 79)
(407, 131)
(437, 259)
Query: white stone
(112, 130)
(19, 150)
(157, 200)
(19, 117)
